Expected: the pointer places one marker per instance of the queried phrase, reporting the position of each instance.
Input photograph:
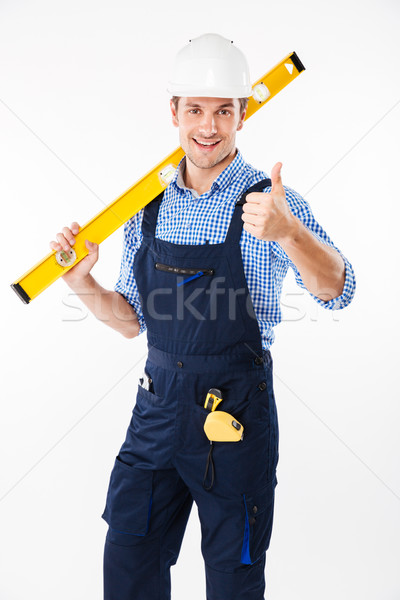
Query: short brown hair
(242, 101)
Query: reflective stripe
(245, 558)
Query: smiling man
(207, 132)
(202, 272)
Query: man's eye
(224, 112)
(194, 110)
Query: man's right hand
(66, 239)
(108, 306)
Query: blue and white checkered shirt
(187, 218)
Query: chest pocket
(192, 300)
(189, 273)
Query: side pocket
(258, 518)
(129, 497)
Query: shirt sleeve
(302, 210)
(126, 284)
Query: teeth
(207, 143)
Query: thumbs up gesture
(267, 216)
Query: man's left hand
(267, 216)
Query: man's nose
(208, 126)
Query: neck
(201, 180)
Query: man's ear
(174, 114)
(242, 116)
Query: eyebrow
(225, 105)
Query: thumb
(276, 179)
(91, 246)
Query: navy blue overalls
(202, 333)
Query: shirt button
(262, 386)
(255, 509)
(180, 364)
(258, 360)
(252, 521)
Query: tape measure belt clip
(213, 398)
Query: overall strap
(236, 225)
(150, 214)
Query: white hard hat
(210, 66)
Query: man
(202, 271)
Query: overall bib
(202, 333)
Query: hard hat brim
(212, 92)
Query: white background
(85, 81)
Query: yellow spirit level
(55, 264)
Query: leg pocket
(129, 499)
(258, 508)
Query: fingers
(255, 198)
(75, 227)
(250, 228)
(252, 219)
(65, 238)
(257, 203)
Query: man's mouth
(206, 144)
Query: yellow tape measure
(55, 264)
(220, 426)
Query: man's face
(207, 128)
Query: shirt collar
(178, 179)
(223, 180)
(231, 172)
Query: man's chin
(205, 162)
